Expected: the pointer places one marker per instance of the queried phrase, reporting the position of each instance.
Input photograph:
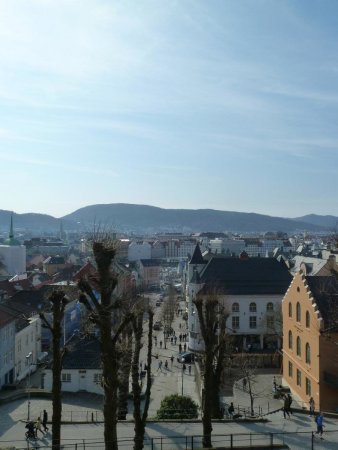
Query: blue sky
(229, 104)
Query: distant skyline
(229, 105)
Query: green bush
(177, 407)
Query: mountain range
(145, 218)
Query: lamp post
(28, 359)
(183, 364)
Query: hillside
(121, 216)
(144, 218)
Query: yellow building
(310, 340)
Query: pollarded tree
(53, 322)
(212, 317)
(106, 314)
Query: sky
(223, 104)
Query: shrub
(177, 407)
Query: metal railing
(304, 440)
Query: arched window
(298, 312)
(252, 307)
(307, 319)
(299, 351)
(269, 307)
(235, 307)
(290, 309)
(307, 353)
(290, 340)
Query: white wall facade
(14, 258)
(137, 251)
(76, 380)
(7, 349)
(244, 331)
(27, 340)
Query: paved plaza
(87, 407)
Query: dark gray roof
(253, 276)
(197, 257)
(325, 293)
(150, 262)
(84, 354)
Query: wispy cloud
(10, 158)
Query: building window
(307, 319)
(290, 340)
(298, 312)
(290, 369)
(308, 386)
(270, 322)
(235, 322)
(290, 309)
(97, 378)
(253, 307)
(307, 353)
(298, 349)
(66, 377)
(253, 322)
(299, 377)
(235, 307)
(269, 307)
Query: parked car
(186, 357)
(157, 325)
(158, 303)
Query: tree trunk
(208, 401)
(126, 359)
(110, 381)
(57, 368)
(141, 418)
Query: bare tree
(139, 416)
(168, 313)
(247, 373)
(212, 319)
(58, 301)
(272, 326)
(105, 314)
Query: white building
(13, 254)
(81, 369)
(251, 291)
(139, 250)
(27, 346)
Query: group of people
(287, 406)
(34, 427)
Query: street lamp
(28, 359)
(183, 365)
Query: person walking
(166, 364)
(274, 385)
(312, 407)
(290, 403)
(172, 360)
(45, 420)
(319, 421)
(231, 410)
(37, 427)
(286, 407)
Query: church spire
(11, 230)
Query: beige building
(310, 342)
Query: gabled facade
(310, 342)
